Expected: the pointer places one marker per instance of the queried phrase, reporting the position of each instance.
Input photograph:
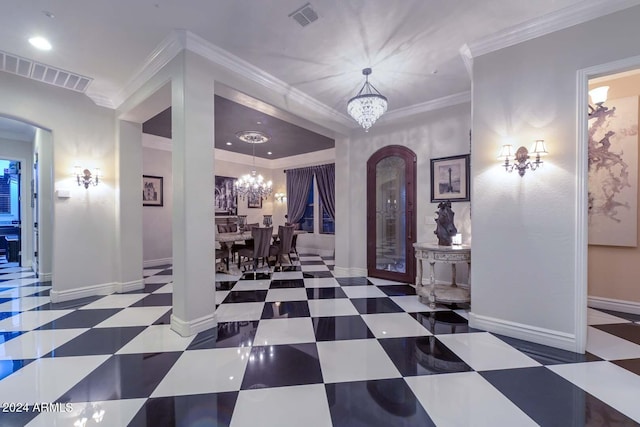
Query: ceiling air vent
(304, 15)
(24, 67)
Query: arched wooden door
(391, 216)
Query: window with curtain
(306, 222)
(328, 224)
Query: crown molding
(434, 104)
(555, 21)
(168, 48)
(467, 58)
(156, 142)
(242, 159)
(221, 57)
(101, 100)
(322, 156)
(300, 160)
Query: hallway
(298, 347)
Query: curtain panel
(326, 180)
(298, 182)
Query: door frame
(410, 208)
(582, 181)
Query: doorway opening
(582, 267)
(10, 212)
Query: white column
(343, 209)
(129, 207)
(193, 194)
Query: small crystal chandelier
(368, 105)
(253, 185)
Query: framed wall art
(254, 201)
(450, 179)
(226, 199)
(152, 190)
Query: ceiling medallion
(368, 105)
(252, 136)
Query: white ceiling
(412, 45)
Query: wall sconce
(598, 97)
(85, 178)
(280, 197)
(521, 159)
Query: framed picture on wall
(226, 199)
(254, 202)
(450, 179)
(152, 190)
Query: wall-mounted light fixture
(85, 177)
(520, 161)
(280, 197)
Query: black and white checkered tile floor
(297, 348)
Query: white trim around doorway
(582, 184)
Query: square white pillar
(192, 118)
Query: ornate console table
(433, 253)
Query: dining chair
(283, 247)
(235, 247)
(294, 242)
(261, 248)
(223, 256)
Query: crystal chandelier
(368, 105)
(253, 185)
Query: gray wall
(524, 254)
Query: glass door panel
(390, 215)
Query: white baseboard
(349, 272)
(83, 292)
(557, 339)
(45, 277)
(315, 251)
(133, 285)
(156, 262)
(188, 329)
(622, 306)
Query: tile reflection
(442, 322)
(383, 403)
(549, 399)
(285, 309)
(226, 335)
(422, 356)
(125, 376)
(282, 365)
(8, 367)
(211, 409)
(341, 328)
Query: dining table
(226, 239)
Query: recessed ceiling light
(229, 143)
(259, 123)
(48, 14)
(40, 43)
(269, 153)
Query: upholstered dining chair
(229, 228)
(283, 247)
(222, 255)
(294, 242)
(261, 247)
